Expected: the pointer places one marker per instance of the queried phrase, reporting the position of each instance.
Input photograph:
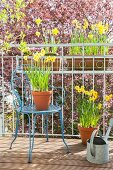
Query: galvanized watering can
(98, 148)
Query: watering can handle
(91, 142)
(109, 129)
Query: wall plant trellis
(68, 79)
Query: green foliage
(89, 113)
(23, 47)
(39, 78)
(86, 33)
(6, 46)
(51, 41)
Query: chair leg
(62, 130)
(30, 148)
(16, 130)
(33, 132)
(47, 138)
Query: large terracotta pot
(85, 133)
(88, 63)
(42, 100)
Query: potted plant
(46, 37)
(49, 37)
(89, 33)
(39, 75)
(89, 110)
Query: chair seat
(32, 109)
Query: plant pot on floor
(88, 64)
(42, 100)
(85, 133)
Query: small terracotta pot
(85, 133)
(42, 100)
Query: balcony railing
(69, 74)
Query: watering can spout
(105, 138)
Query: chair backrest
(21, 89)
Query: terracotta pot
(85, 133)
(42, 100)
(88, 64)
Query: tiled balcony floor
(47, 156)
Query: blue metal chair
(23, 105)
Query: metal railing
(64, 71)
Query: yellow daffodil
(53, 59)
(36, 56)
(82, 89)
(93, 26)
(87, 93)
(48, 59)
(28, 27)
(93, 98)
(93, 95)
(38, 21)
(85, 26)
(108, 97)
(37, 33)
(76, 23)
(101, 29)
(43, 52)
(90, 36)
(77, 88)
(99, 106)
(55, 31)
(25, 58)
(98, 24)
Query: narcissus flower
(85, 26)
(28, 27)
(99, 106)
(87, 92)
(38, 21)
(82, 89)
(93, 27)
(108, 97)
(53, 59)
(101, 29)
(37, 33)
(50, 59)
(25, 58)
(43, 52)
(36, 56)
(90, 36)
(76, 23)
(55, 31)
